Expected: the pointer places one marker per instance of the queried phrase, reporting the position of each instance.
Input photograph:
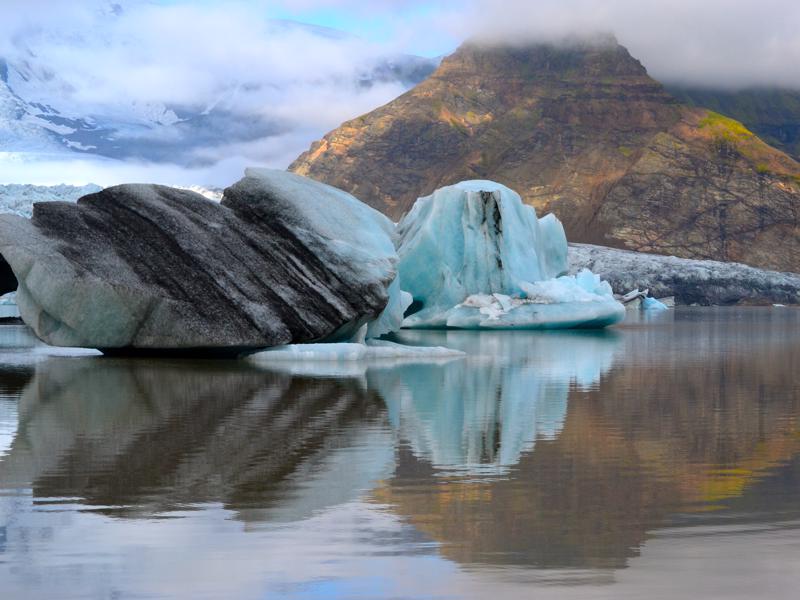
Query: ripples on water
(660, 459)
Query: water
(660, 459)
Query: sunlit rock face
(143, 268)
(473, 256)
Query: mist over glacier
(179, 94)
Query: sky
(206, 52)
(728, 43)
(732, 43)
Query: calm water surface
(660, 459)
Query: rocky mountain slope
(580, 130)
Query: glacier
(473, 256)
(18, 199)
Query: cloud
(722, 43)
(258, 88)
(713, 43)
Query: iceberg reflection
(479, 415)
(139, 437)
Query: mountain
(772, 114)
(581, 130)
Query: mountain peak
(575, 57)
(577, 128)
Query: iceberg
(473, 256)
(653, 304)
(147, 269)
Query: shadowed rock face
(144, 268)
(584, 132)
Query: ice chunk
(9, 299)
(8, 306)
(472, 255)
(391, 319)
(287, 260)
(353, 352)
(560, 315)
(653, 304)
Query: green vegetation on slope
(772, 114)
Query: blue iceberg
(649, 303)
(473, 256)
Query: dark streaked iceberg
(146, 268)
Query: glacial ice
(353, 230)
(347, 352)
(649, 303)
(8, 306)
(473, 256)
(391, 319)
(19, 199)
(282, 259)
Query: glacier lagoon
(659, 459)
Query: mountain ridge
(583, 131)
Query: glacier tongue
(473, 256)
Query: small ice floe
(641, 300)
(353, 352)
(580, 301)
(653, 304)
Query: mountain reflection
(142, 437)
(689, 418)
